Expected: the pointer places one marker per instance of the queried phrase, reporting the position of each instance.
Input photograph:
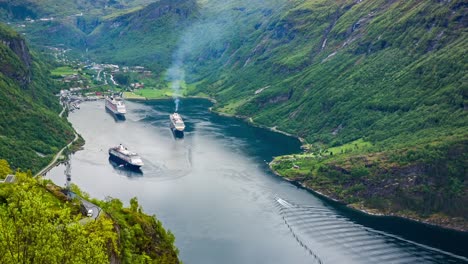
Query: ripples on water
(317, 224)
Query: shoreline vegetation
(440, 222)
(364, 210)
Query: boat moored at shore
(116, 105)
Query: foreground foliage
(36, 228)
(39, 225)
(142, 238)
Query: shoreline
(366, 211)
(144, 99)
(56, 160)
(250, 121)
(363, 210)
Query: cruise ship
(176, 122)
(122, 155)
(177, 125)
(116, 105)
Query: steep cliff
(30, 129)
(15, 57)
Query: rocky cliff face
(18, 68)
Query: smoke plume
(218, 24)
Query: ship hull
(114, 109)
(116, 116)
(122, 160)
(117, 162)
(177, 133)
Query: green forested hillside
(367, 84)
(38, 224)
(350, 69)
(390, 74)
(146, 36)
(62, 23)
(31, 131)
(35, 9)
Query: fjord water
(213, 190)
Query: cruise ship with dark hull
(123, 156)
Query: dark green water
(213, 190)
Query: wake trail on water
(285, 204)
(336, 239)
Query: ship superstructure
(176, 122)
(116, 105)
(126, 157)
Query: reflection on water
(213, 190)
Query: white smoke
(176, 76)
(217, 22)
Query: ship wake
(331, 238)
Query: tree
(34, 228)
(134, 204)
(4, 168)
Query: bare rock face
(20, 72)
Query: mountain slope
(62, 23)
(367, 84)
(30, 129)
(146, 36)
(350, 70)
(35, 9)
(378, 88)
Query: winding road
(96, 210)
(56, 157)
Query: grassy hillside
(31, 131)
(63, 23)
(348, 71)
